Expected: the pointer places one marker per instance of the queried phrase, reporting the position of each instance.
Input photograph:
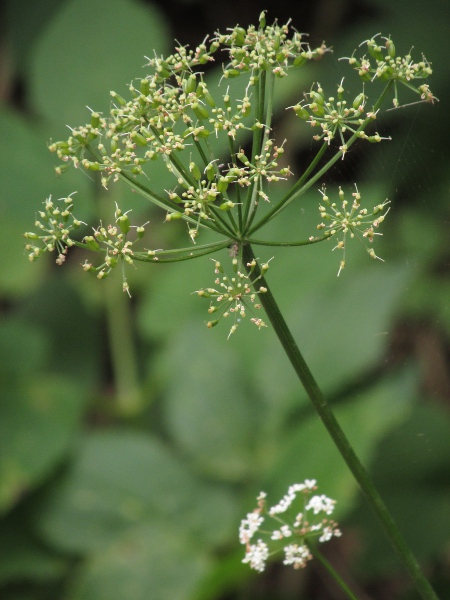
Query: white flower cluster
(309, 523)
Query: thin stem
(332, 571)
(208, 249)
(303, 184)
(128, 393)
(311, 240)
(342, 443)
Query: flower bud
(239, 36)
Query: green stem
(342, 443)
(303, 183)
(129, 399)
(334, 574)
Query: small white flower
(321, 504)
(249, 526)
(297, 555)
(257, 555)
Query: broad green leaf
(27, 176)
(38, 421)
(309, 453)
(149, 561)
(121, 479)
(90, 48)
(341, 327)
(209, 410)
(411, 471)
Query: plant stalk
(334, 429)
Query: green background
(133, 439)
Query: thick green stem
(334, 429)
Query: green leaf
(121, 479)
(90, 48)
(27, 176)
(149, 561)
(309, 453)
(209, 411)
(341, 326)
(38, 421)
(411, 471)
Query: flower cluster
(383, 64)
(56, 225)
(298, 518)
(234, 295)
(265, 48)
(172, 110)
(335, 116)
(356, 220)
(55, 222)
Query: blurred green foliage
(132, 439)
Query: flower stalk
(338, 436)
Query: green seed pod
(262, 20)
(91, 243)
(95, 119)
(111, 261)
(140, 231)
(190, 84)
(201, 132)
(173, 216)
(119, 99)
(375, 50)
(359, 101)
(210, 172)
(301, 112)
(317, 109)
(211, 324)
(200, 111)
(365, 76)
(145, 86)
(30, 235)
(175, 198)
(299, 60)
(226, 205)
(316, 97)
(222, 184)
(239, 36)
(390, 48)
(124, 223)
(241, 156)
(138, 138)
(231, 73)
(195, 171)
(92, 166)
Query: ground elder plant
(172, 115)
